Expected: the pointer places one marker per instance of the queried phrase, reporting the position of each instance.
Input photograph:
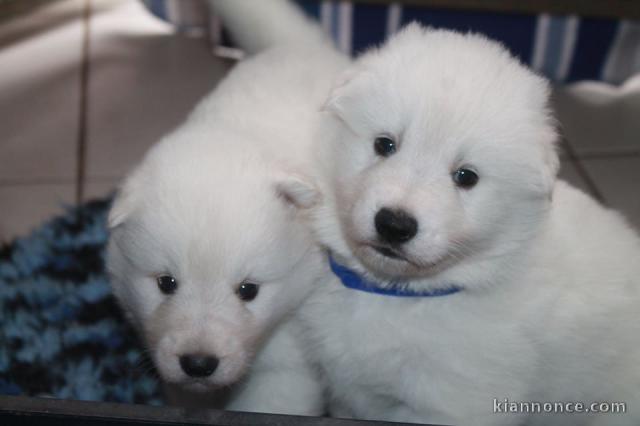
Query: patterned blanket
(62, 334)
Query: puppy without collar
(209, 248)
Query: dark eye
(167, 284)
(465, 178)
(384, 146)
(247, 291)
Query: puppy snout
(196, 365)
(395, 226)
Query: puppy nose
(395, 226)
(198, 365)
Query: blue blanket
(62, 334)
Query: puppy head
(207, 253)
(443, 149)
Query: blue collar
(352, 280)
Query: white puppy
(209, 250)
(441, 185)
(494, 281)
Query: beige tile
(35, 19)
(39, 91)
(47, 16)
(24, 207)
(144, 81)
(617, 179)
(100, 189)
(569, 173)
(598, 118)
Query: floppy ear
(298, 190)
(354, 100)
(339, 91)
(357, 79)
(538, 94)
(123, 205)
(551, 164)
(550, 136)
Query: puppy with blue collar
(458, 271)
(463, 272)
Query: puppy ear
(347, 97)
(551, 166)
(123, 205)
(340, 91)
(538, 94)
(551, 136)
(298, 190)
(120, 210)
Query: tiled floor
(143, 80)
(601, 125)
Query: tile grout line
(584, 175)
(607, 155)
(37, 181)
(81, 153)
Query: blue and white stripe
(563, 48)
(394, 19)
(623, 59)
(554, 45)
(337, 20)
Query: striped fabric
(564, 48)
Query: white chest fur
(417, 359)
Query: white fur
(219, 201)
(258, 25)
(550, 305)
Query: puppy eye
(384, 146)
(465, 178)
(247, 291)
(167, 284)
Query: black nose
(395, 226)
(198, 365)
